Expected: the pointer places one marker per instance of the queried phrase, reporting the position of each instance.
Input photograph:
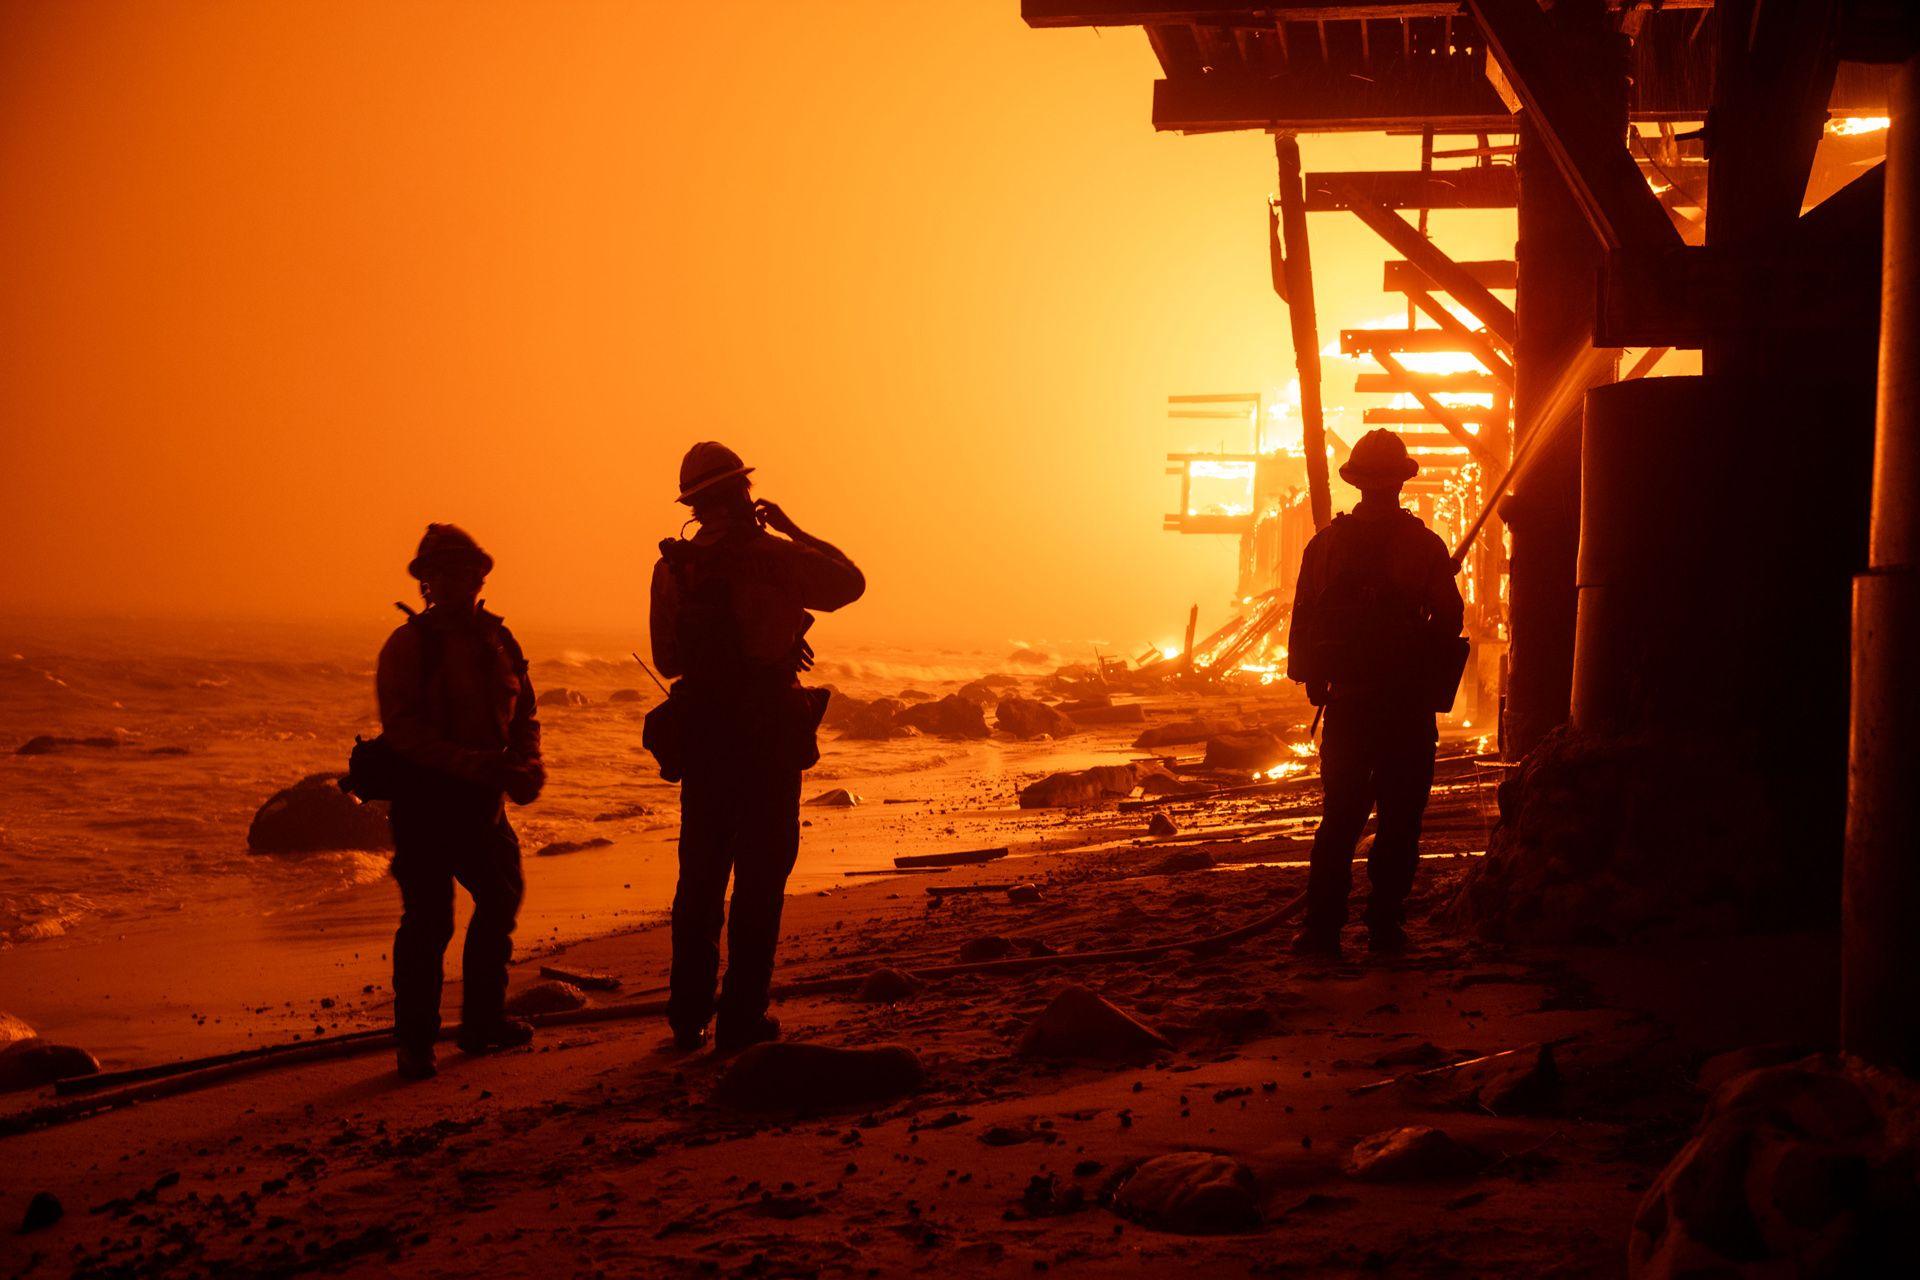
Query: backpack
(375, 771)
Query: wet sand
(601, 1150)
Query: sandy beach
(600, 1150)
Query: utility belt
(754, 716)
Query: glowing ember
(1849, 126)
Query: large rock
(1025, 657)
(1081, 1025)
(47, 744)
(1410, 1154)
(1254, 750)
(1081, 788)
(835, 798)
(789, 1076)
(980, 692)
(876, 720)
(1025, 718)
(626, 695)
(1605, 839)
(1191, 1192)
(559, 697)
(30, 1063)
(314, 815)
(546, 997)
(559, 848)
(887, 986)
(1807, 1169)
(950, 717)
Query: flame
(1850, 126)
(1285, 769)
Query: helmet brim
(420, 566)
(1397, 474)
(687, 495)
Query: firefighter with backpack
(459, 737)
(729, 620)
(1375, 637)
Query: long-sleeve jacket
(455, 696)
(1374, 586)
(772, 583)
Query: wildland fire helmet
(1379, 458)
(706, 465)
(444, 542)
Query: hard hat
(707, 464)
(1380, 457)
(443, 542)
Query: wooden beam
(1496, 315)
(1451, 95)
(1255, 13)
(1493, 187)
(1404, 277)
(1359, 342)
(1394, 417)
(1298, 262)
(1558, 81)
(1479, 343)
(1434, 383)
(1442, 414)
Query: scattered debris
(1081, 1025)
(558, 847)
(1410, 1154)
(989, 947)
(838, 798)
(1182, 860)
(1805, 1169)
(1190, 1192)
(588, 979)
(1082, 788)
(1254, 750)
(964, 858)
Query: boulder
(1025, 718)
(837, 798)
(980, 693)
(626, 695)
(43, 1210)
(1161, 825)
(546, 997)
(788, 1076)
(1092, 702)
(1025, 657)
(1805, 1169)
(1255, 750)
(47, 744)
(1410, 1154)
(876, 720)
(950, 717)
(1518, 1084)
(558, 697)
(1190, 1192)
(559, 847)
(1182, 860)
(314, 815)
(841, 708)
(990, 947)
(887, 986)
(914, 695)
(30, 1063)
(1025, 894)
(1082, 1025)
(1078, 789)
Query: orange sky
(285, 281)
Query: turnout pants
(1370, 754)
(435, 846)
(742, 820)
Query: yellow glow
(1849, 126)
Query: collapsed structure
(1676, 567)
